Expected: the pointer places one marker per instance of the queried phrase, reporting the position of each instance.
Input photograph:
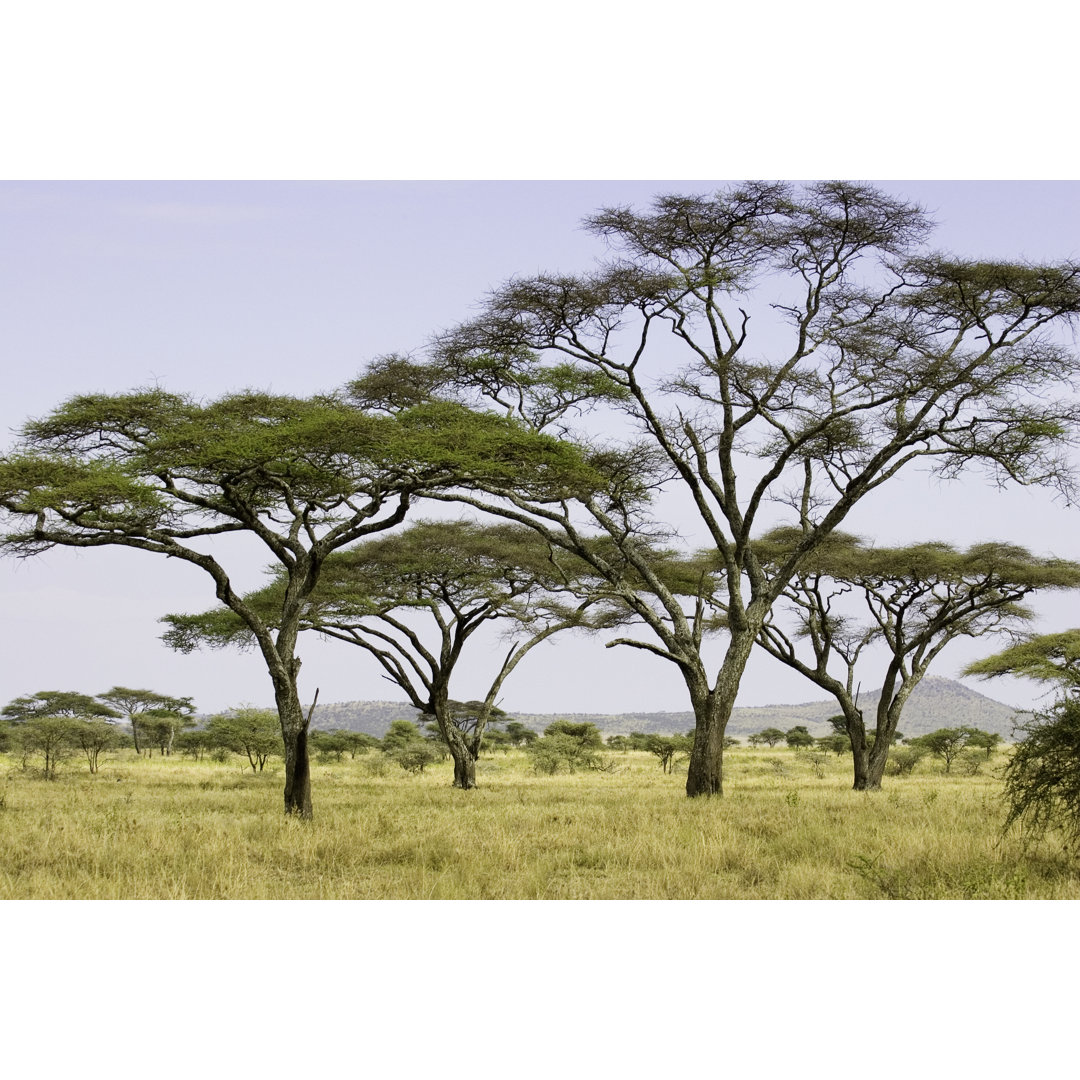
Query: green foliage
(519, 734)
(586, 734)
(1051, 658)
(1042, 777)
(945, 743)
(136, 704)
(903, 759)
(328, 745)
(836, 744)
(566, 745)
(984, 740)
(52, 738)
(401, 733)
(770, 736)
(414, 757)
(307, 476)
(334, 745)
(159, 727)
(798, 738)
(53, 724)
(255, 733)
(93, 737)
(56, 703)
(194, 744)
(667, 747)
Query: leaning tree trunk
(889, 711)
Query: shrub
(1042, 778)
(414, 757)
(903, 759)
(798, 737)
(559, 748)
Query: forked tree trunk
(712, 711)
(705, 773)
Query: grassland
(786, 829)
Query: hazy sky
(210, 287)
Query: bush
(903, 759)
(971, 761)
(546, 756)
(1042, 778)
(376, 765)
(586, 734)
(559, 748)
(836, 744)
(798, 738)
(414, 757)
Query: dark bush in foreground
(1042, 778)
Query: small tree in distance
(945, 743)
(51, 737)
(770, 736)
(94, 737)
(255, 733)
(136, 704)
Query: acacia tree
(139, 704)
(50, 736)
(945, 743)
(880, 355)
(252, 732)
(53, 722)
(167, 474)
(93, 737)
(66, 703)
(919, 598)
(1046, 658)
(455, 577)
(160, 728)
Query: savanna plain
(787, 827)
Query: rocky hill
(935, 703)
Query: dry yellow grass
(173, 829)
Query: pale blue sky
(209, 287)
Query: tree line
(562, 415)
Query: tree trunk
(860, 751)
(464, 765)
(294, 731)
(135, 734)
(712, 711)
(889, 709)
(297, 774)
(878, 756)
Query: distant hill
(935, 703)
